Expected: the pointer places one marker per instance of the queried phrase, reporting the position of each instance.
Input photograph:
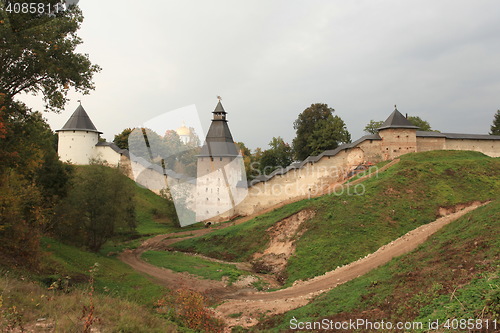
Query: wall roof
(457, 136)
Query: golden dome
(183, 130)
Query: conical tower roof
(397, 120)
(219, 141)
(79, 121)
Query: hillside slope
(454, 275)
(347, 227)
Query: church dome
(183, 130)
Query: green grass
(347, 227)
(240, 241)
(113, 278)
(23, 303)
(180, 262)
(455, 274)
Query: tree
(328, 135)
(121, 140)
(32, 181)
(37, 55)
(318, 130)
(372, 126)
(421, 124)
(99, 205)
(278, 156)
(495, 127)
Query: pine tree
(495, 128)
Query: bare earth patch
(282, 244)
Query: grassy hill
(454, 275)
(347, 227)
(59, 289)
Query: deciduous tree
(372, 126)
(38, 55)
(422, 125)
(318, 130)
(99, 205)
(278, 156)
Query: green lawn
(180, 262)
(113, 277)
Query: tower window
(220, 158)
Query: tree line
(39, 194)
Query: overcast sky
(269, 60)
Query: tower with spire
(221, 180)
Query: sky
(269, 60)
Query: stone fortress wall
(217, 201)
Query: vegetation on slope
(113, 277)
(347, 227)
(239, 242)
(29, 307)
(455, 274)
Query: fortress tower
(399, 136)
(219, 172)
(78, 138)
(79, 142)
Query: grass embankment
(112, 277)
(454, 275)
(239, 242)
(347, 227)
(28, 307)
(180, 262)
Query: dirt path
(253, 304)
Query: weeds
(190, 309)
(88, 312)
